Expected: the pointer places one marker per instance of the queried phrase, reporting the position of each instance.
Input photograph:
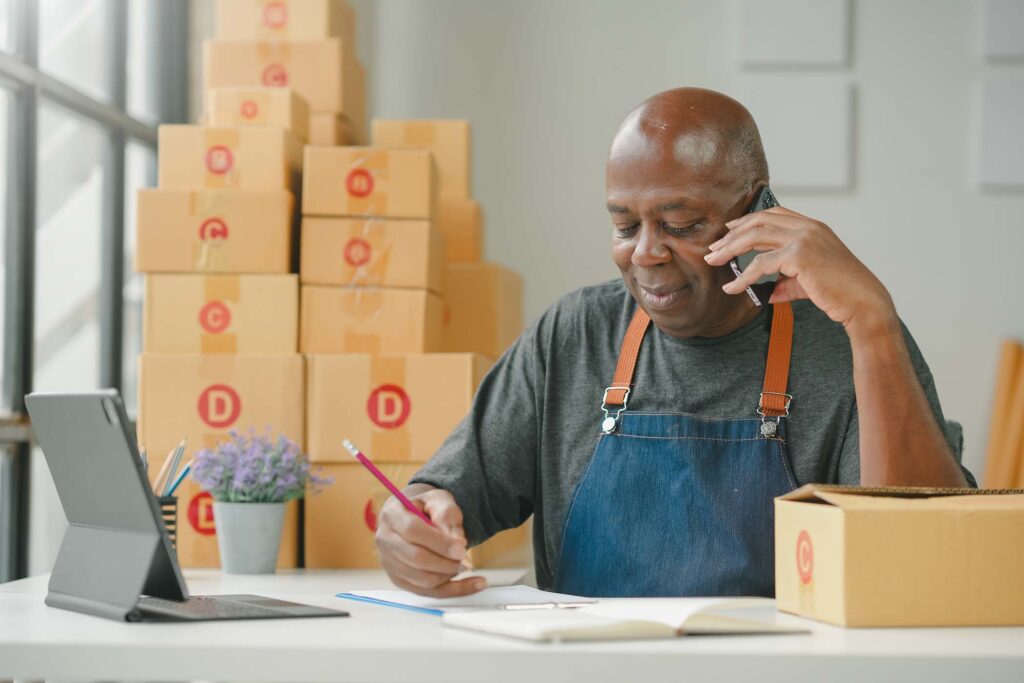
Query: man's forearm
(901, 442)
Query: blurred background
(896, 123)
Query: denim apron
(674, 504)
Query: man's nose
(651, 249)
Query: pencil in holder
(169, 513)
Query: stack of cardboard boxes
(220, 337)
(220, 309)
(305, 45)
(399, 322)
(380, 370)
(483, 301)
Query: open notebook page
(625, 618)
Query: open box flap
(889, 497)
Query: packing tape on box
(209, 252)
(367, 252)
(274, 19)
(366, 183)
(360, 305)
(419, 133)
(222, 288)
(215, 315)
(250, 107)
(220, 150)
(275, 57)
(389, 407)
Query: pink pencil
(358, 455)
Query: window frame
(27, 87)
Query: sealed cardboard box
(901, 556)
(447, 140)
(368, 181)
(369, 320)
(396, 408)
(197, 530)
(371, 252)
(259, 107)
(327, 129)
(285, 20)
(460, 222)
(318, 70)
(221, 314)
(204, 397)
(483, 308)
(341, 523)
(216, 231)
(238, 158)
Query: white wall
(545, 84)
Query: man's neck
(736, 317)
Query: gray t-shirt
(536, 418)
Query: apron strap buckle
(770, 428)
(618, 404)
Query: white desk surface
(383, 644)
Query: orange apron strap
(616, 394)
(774, 401)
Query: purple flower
(256, 469)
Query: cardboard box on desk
(204, 397)
(446, 139)
(197, 530)
(460, 222)
(901, 556)
(221, 314)
(341, 523)
(259, 107)
(369, 320)
(368, 181)
(236, 158)
(285, 20)
(397, 408)
(327, 129)
(323, 72)
(483, 308)
(371, 252)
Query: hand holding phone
(764, 199)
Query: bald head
(703, 131)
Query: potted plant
(250, 478)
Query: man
(659, 480)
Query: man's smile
(661, 297)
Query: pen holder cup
(169, 513)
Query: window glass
(69, 212)
(5, 105)
(73, 43)
(140, 171)
(6, 33)
(142, 80)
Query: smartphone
(764, 199)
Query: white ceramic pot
(248, 536)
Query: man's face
(665, 215)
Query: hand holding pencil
(420, 538)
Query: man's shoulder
(595, 309)
(812, 322)
(602, 299)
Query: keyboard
(201, 608)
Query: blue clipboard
(388, 603)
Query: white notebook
(626, 618)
